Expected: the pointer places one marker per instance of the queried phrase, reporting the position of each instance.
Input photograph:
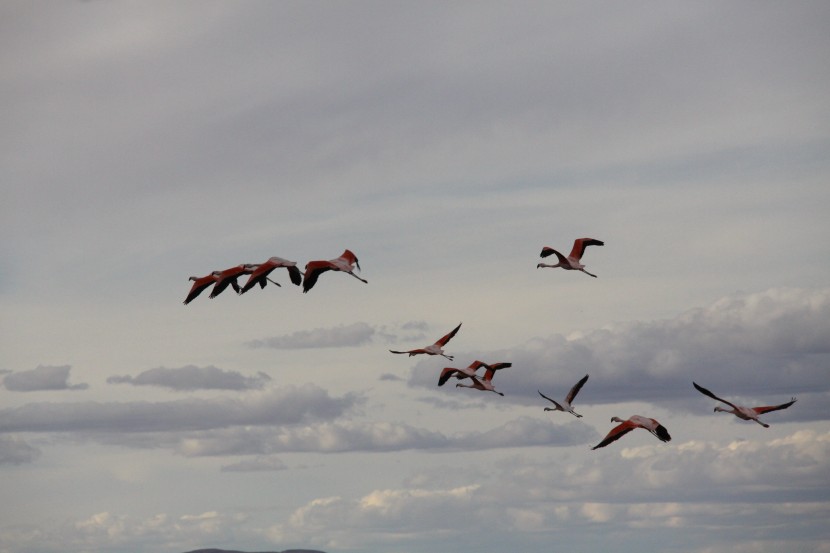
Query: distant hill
(234, 551)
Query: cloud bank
(351, 335)
(751, 347)
(190, 378)
(41, 378)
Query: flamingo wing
(661, 433)
(581, 243)
(295, 275)
(706, 392)
(762, 410)
(257, 277)
(198, 288)
(550, 400)
(446, 374)
(313, 270)
(575, 390)
(616, 433)
(443, 341)
(498, 366)
(546, 251)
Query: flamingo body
(744, 413)
(261, 272)
(635, 421)
(345, 263)
(434, 349)
(566, 405)
(485, 384)
(573, 261)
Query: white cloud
(675, 492)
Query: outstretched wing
(581, 243)
(295, 275)
(706, 392)
(550, 400)
(546, 251)
(616, 433)
(443, 341)
(762, 410)
(446, 374)
(575, 390)
(314, 269)
(661, 432)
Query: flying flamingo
(566, 405)
(468, 372)
(199, 284)
(261, 272)
(633, 422)
(344, 263)
(571, 262)
(228, 277)
(485, 384)
(745, 413)
(436, 348)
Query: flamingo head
(616, 419)
(719, 408)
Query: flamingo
(566, 405)
(229, 276)
(199, 284)
(635, 421)
(344, 263)
(261, 272)
(469, 371)
(745, 413)
(485, 384)
(571, 262)
(436, 348)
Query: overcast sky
(444, 144)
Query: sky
(444, 143)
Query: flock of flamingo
(347, 262)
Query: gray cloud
(341, 437)
(755, 348)
(41, 378)
(286, 405)
(193, 378)
(258, 464)
(14, 451)
(355, 334)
